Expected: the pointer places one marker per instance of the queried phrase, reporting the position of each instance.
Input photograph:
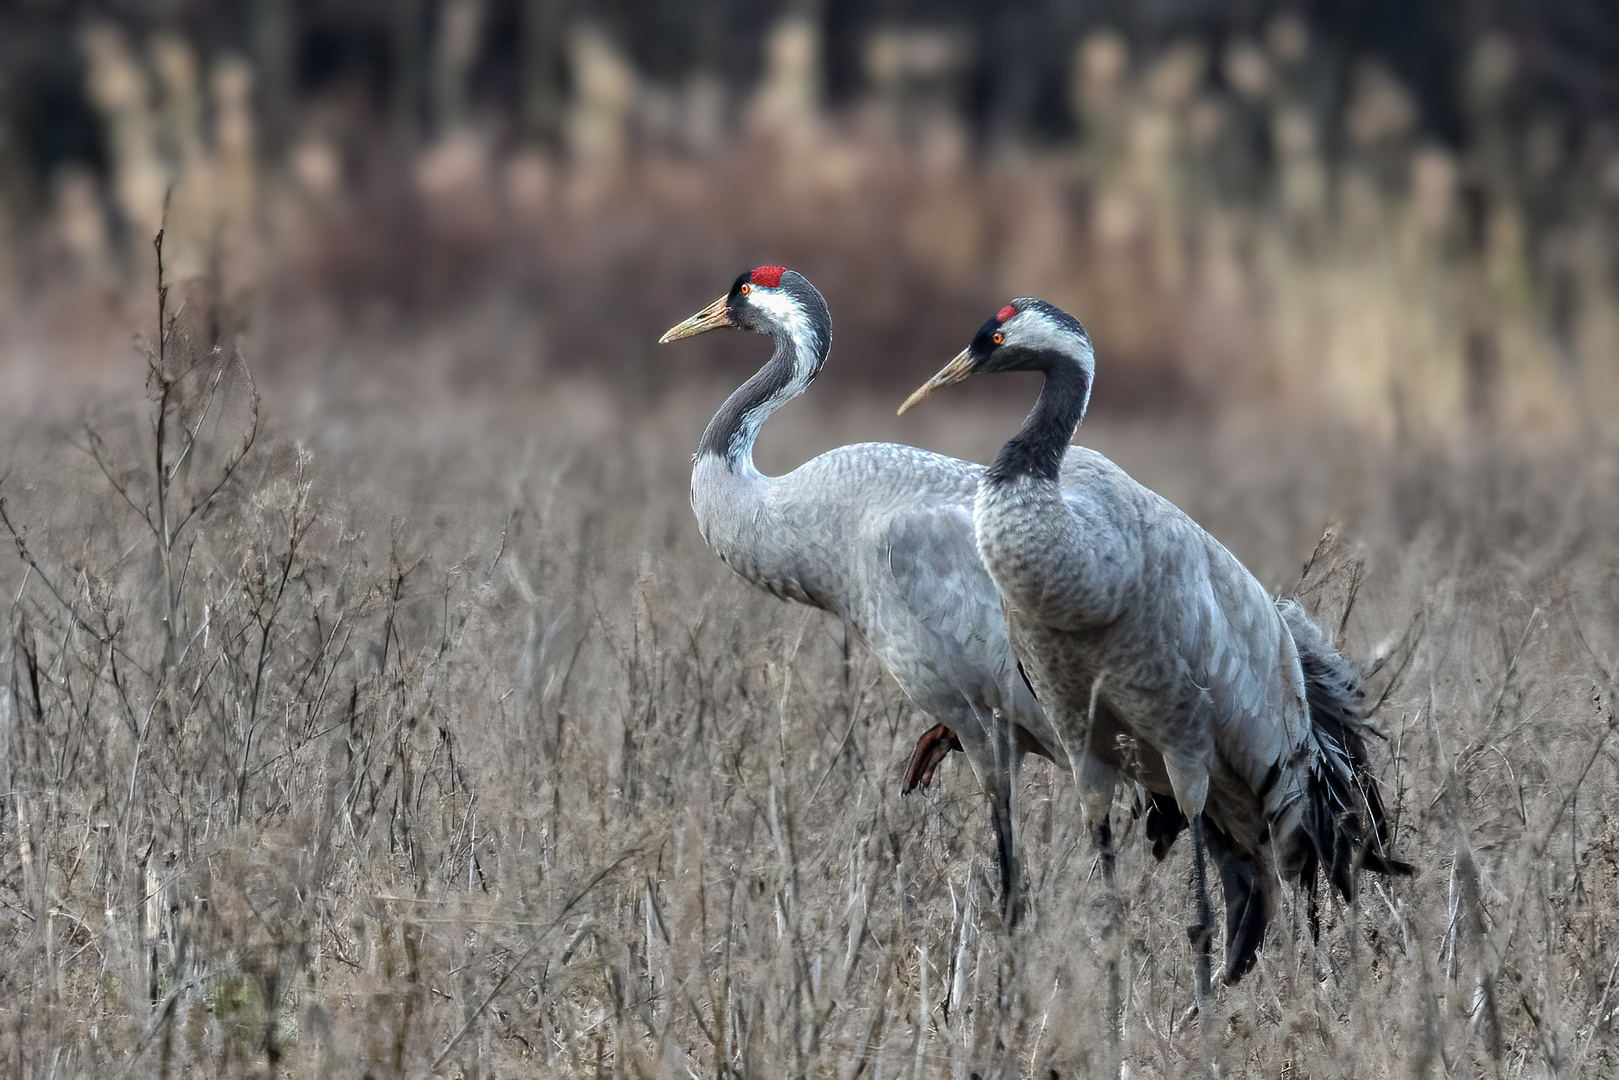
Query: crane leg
(1247, 902)
(1113, 944)
(1202, 931)
(1105, 849)
(1202, 935)
(1002, 785)
(1006, 857)
(992, 749)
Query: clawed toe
(935, 744)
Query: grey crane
(1155, 651)
(878, 534)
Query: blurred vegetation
(1401, 214)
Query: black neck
(1038, 448)
(731, 433)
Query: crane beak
(712, 317)
(957, 370)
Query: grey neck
(788, 373)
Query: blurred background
(1401, 216)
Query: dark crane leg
(1105, 849)
(931, 749)
(1000, 810)
(1113, 944)
(1002, 785)
(1003, 810)
(1202, 935)
(1202, 931)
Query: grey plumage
(1138, 628)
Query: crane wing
(938, 595)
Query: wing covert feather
(936, 574)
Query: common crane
(878, 534)
(1137, 628)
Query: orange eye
(998, 338)
(746, 289)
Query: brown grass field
(435, 743)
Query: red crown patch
(1005, 313)
(768, 276)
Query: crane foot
(931, 749)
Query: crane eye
(998, 337)
(746, 289)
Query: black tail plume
(1348, 823)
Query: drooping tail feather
(1347, 821)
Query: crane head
(769, 300)
(1025, 335)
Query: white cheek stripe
(782, 308)
(786, 311)
(1032, 330)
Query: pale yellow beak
(712, 317)
(958, 370)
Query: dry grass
(434, 742)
